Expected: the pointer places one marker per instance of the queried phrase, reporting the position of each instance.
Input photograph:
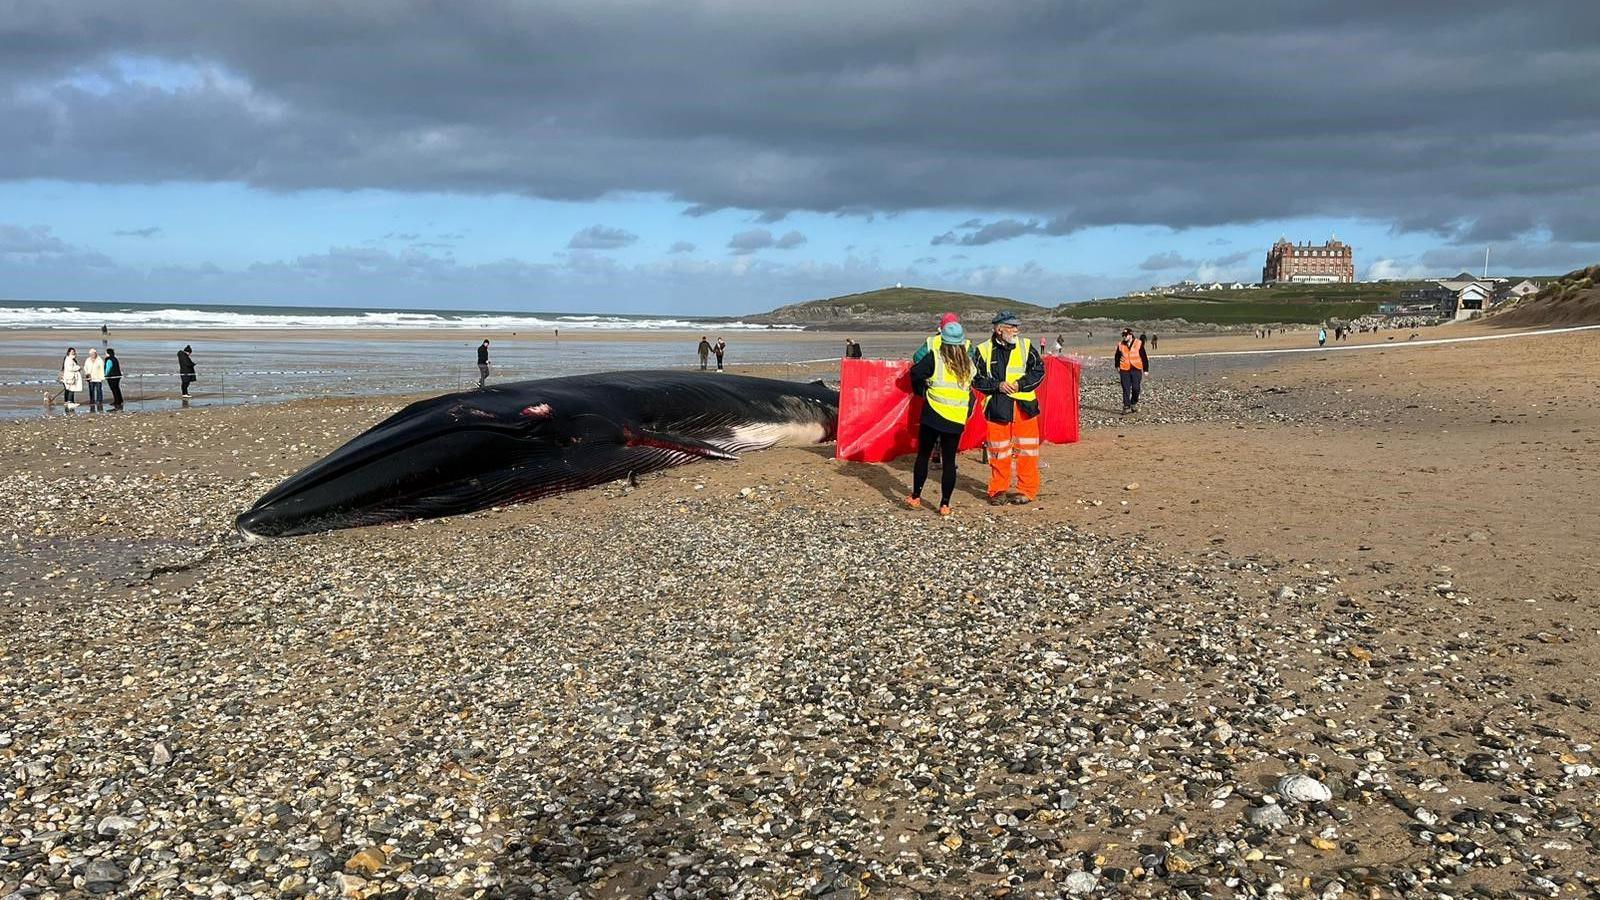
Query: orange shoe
(914, 502)
(944, 512)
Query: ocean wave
(74, 317)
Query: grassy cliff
(910, 307)
(1572, 299)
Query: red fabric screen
(878, 413)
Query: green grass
(1218, 312)
(909, 300)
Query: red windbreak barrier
(1058, 408)
(879, 414)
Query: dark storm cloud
(1072, 114)
(601, 237)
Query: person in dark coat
(1009, 372)
(719, 348)
(186, 374)
(705, 352)
(114, 377)
(483, 362)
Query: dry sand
(752, 679)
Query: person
(483, 363)
(71, 378)
(114, 377)
(942, 376)
(185, 369)
(94, 374)
(855, 349)
(1154, 339)
(1009, 373)
(719, 348)
(1059, 345)
(848, 349)
(1322, 335)
(1131, 363)
(705, 352)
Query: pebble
(1303, 789)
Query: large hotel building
(1330, 263)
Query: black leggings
(949, 443)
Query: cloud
(601, 237)
(981, 233)
(147, 232)
(1158, 262)
(1178, 117)
(747, 242)
(1232, 259)
(681, 247)
(772, 216)
(790, 241)
(36, 246)
(1397, 269)
(700, 210)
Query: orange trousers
(1016, 440)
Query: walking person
(483, 363)
(943, 378)
(855, 349)
(1131, 363)
(1154, 339)
(185, 369)
(94, 375)
(1059, 345)
(71, 378)
(705, 352)
(1009, 373)
(719, 348)
(1322, 336)
(114, 377)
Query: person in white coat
(94, 375)
(71, 377)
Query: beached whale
(476, 449)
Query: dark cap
(1005, 318)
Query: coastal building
(1463, 296)
(1304, 263)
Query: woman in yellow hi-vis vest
(943, 376)
(1009, 372)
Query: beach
(765, 678)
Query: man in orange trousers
(1009, 370)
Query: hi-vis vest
(1131, 358)
(1016, 366)
(946, 395)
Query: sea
(387, 356)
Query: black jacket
(1000, 407)
(921, 371)
(483, 355)
(185, 363)
(113, 368)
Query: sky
(718, 157)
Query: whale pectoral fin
(676, 443)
